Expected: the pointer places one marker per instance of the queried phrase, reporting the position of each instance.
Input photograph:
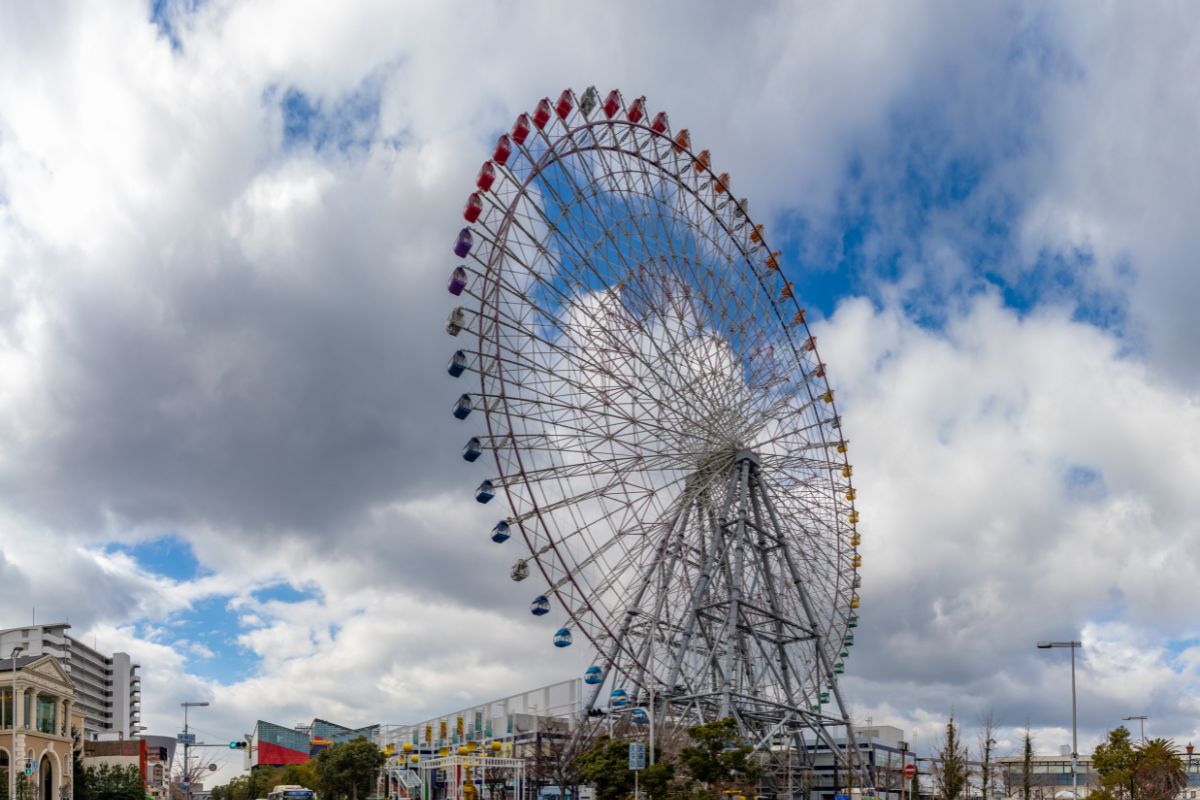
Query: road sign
(637, 756)
(186, 738)
(841, 797)
(910, 770)
(212, 767)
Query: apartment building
(107, 687)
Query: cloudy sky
(225, 444)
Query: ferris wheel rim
(549, 157)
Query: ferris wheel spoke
(609, 234)
(598, 321)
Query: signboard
(910, 770)
(186, 738)
(841, 797)
(637, 756)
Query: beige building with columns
(44, 714)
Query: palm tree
(1159, 772)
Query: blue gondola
(500, 532)
(593, 675)
(458, 364)
(539, 606)
(463, 242)
(640, 717)
(485, 492)
(463, 407)
(458, 281)
(562, 638)
(472, 449)
(618, 698)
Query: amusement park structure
(666, 444)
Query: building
(160, 752)
(512, 721)
(272, 745)
(35, 730)
(882, 753)
(107, 688)
(1049, 776)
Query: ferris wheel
(665, 439)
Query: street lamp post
(187, 767)
(12, 762)
(1141, 718)
(1074, 723)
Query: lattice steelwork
(661, 424)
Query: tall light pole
(187, 767)
(1141, 722)
(12, 762)
(1074, 726)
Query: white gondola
(456, 320)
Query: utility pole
(187, 743)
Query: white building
(107, 688)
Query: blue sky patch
(164, 15)
(349, 122)
(286, 593)
(211, 626)
(169, 555)
(1084, 483)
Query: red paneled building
(274, 745)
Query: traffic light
(238, 745)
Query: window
(47, 714)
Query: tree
(987, 740)
(606, 766)
(347, 769)
(1158, 770)
(950, 777)
(1113, 761)
(1027, 765)
(114, 782)
(716, 759)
